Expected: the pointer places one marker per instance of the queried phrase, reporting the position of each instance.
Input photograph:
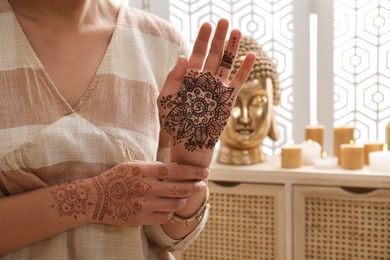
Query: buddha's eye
(236, 111)
(259, 100)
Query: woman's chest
(71, 60)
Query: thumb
(175, 77)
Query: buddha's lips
(244, 131)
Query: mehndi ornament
(198, 113)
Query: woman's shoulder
(148, 23)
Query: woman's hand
(195, 102)
(140, 193)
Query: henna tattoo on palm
(119, 193)
(227, 60)
(199, 112)
(71, 199)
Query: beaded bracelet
(198, 215)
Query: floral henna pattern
(71, 199)
(119, 193)
(198, 113)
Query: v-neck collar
(95, 80)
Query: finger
(243, 72)
(199, 51)
(216, 49)
(175, 77)
(229, 55)
(166, 204)
(155, 218)
(175, 171)
(179, 189)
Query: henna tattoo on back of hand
(71, 199)
(163, 171)
(199, 112)
(120, 193)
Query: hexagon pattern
(362, 67)
(269, 22)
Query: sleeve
(162, 240)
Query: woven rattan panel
(239, 227)
(347, 229)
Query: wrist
(188, 218)
(73, 202)
(96, 200)
(197, 216)
(195, 205)
(196, 158)
(90, 203)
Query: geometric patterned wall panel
(362, 67)
(269, 22)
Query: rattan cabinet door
(335, 223)
(246, 222)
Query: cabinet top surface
(271, 172)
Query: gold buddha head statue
(253, 116)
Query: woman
(80, 132)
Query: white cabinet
(265, 212)
(337, 223)
(246, 221)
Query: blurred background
(333, 58)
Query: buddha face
(251, 116)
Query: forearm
(33, 216)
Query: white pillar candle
(326, 162)
(380, 161)
(310, 151)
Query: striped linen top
(44, 141)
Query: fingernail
(181, 57)
(206, 173)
